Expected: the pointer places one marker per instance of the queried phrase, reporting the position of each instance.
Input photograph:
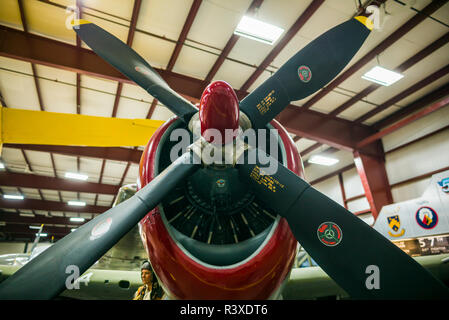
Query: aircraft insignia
(221, 183)
(304, 74)
(100, 229)
(426, 217)
(330, 234)
(395, 224)
(444, 184)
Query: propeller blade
(47, 275)
(132, 65)
(346, 248)
(307, 71)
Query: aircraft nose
(219, 110)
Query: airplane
(230, 231)
(419, 226)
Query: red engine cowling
(183, 276)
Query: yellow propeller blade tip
(367, 22)
(77, 22)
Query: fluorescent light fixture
(2, 165)
(258, 30)
(382, 76)
(41, 234)
(73, 229)
(77, 176)
(26, 215)
(13, 196)
(322, 160)
(75, 219)
(34, 227)
(76, 203)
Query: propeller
(46, 276)
(344, 246)
(132, 65)
(307, 71)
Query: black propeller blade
(132, 65)
(346, 248)
(307, 71)
(45, 276)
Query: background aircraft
(249, 264)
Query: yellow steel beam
(51, 128)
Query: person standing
(151, 290)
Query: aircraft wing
(313, 282)
(7, 271)
(95, 284)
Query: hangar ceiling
(191, 42)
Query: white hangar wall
(418, 158)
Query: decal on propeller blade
(100, 229)
(268, 181)
(221, 183)
(426, 217)
(304, 74)
(395, 224)
(264, 105)
(142, 71)
(330, 234)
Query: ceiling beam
(299, 23)
(401, 68)
(108, 153)
(435, 95)
(27, 47)
(395, 36)
(33, 67)
(9, 179)
(118, 93)
(129, 42)
(36, 81)
(23, 230)
(332, 174)
(133, 24)
(32, 48)
(338, 133)
(414, 88)
(310, 149)
(432, 108)
(426, 136)
(15, 218)
(100, 179)
(78, 76)
(185, 30)
(152, 108)
(45, 205)
(255, 4)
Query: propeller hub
(219, 110)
